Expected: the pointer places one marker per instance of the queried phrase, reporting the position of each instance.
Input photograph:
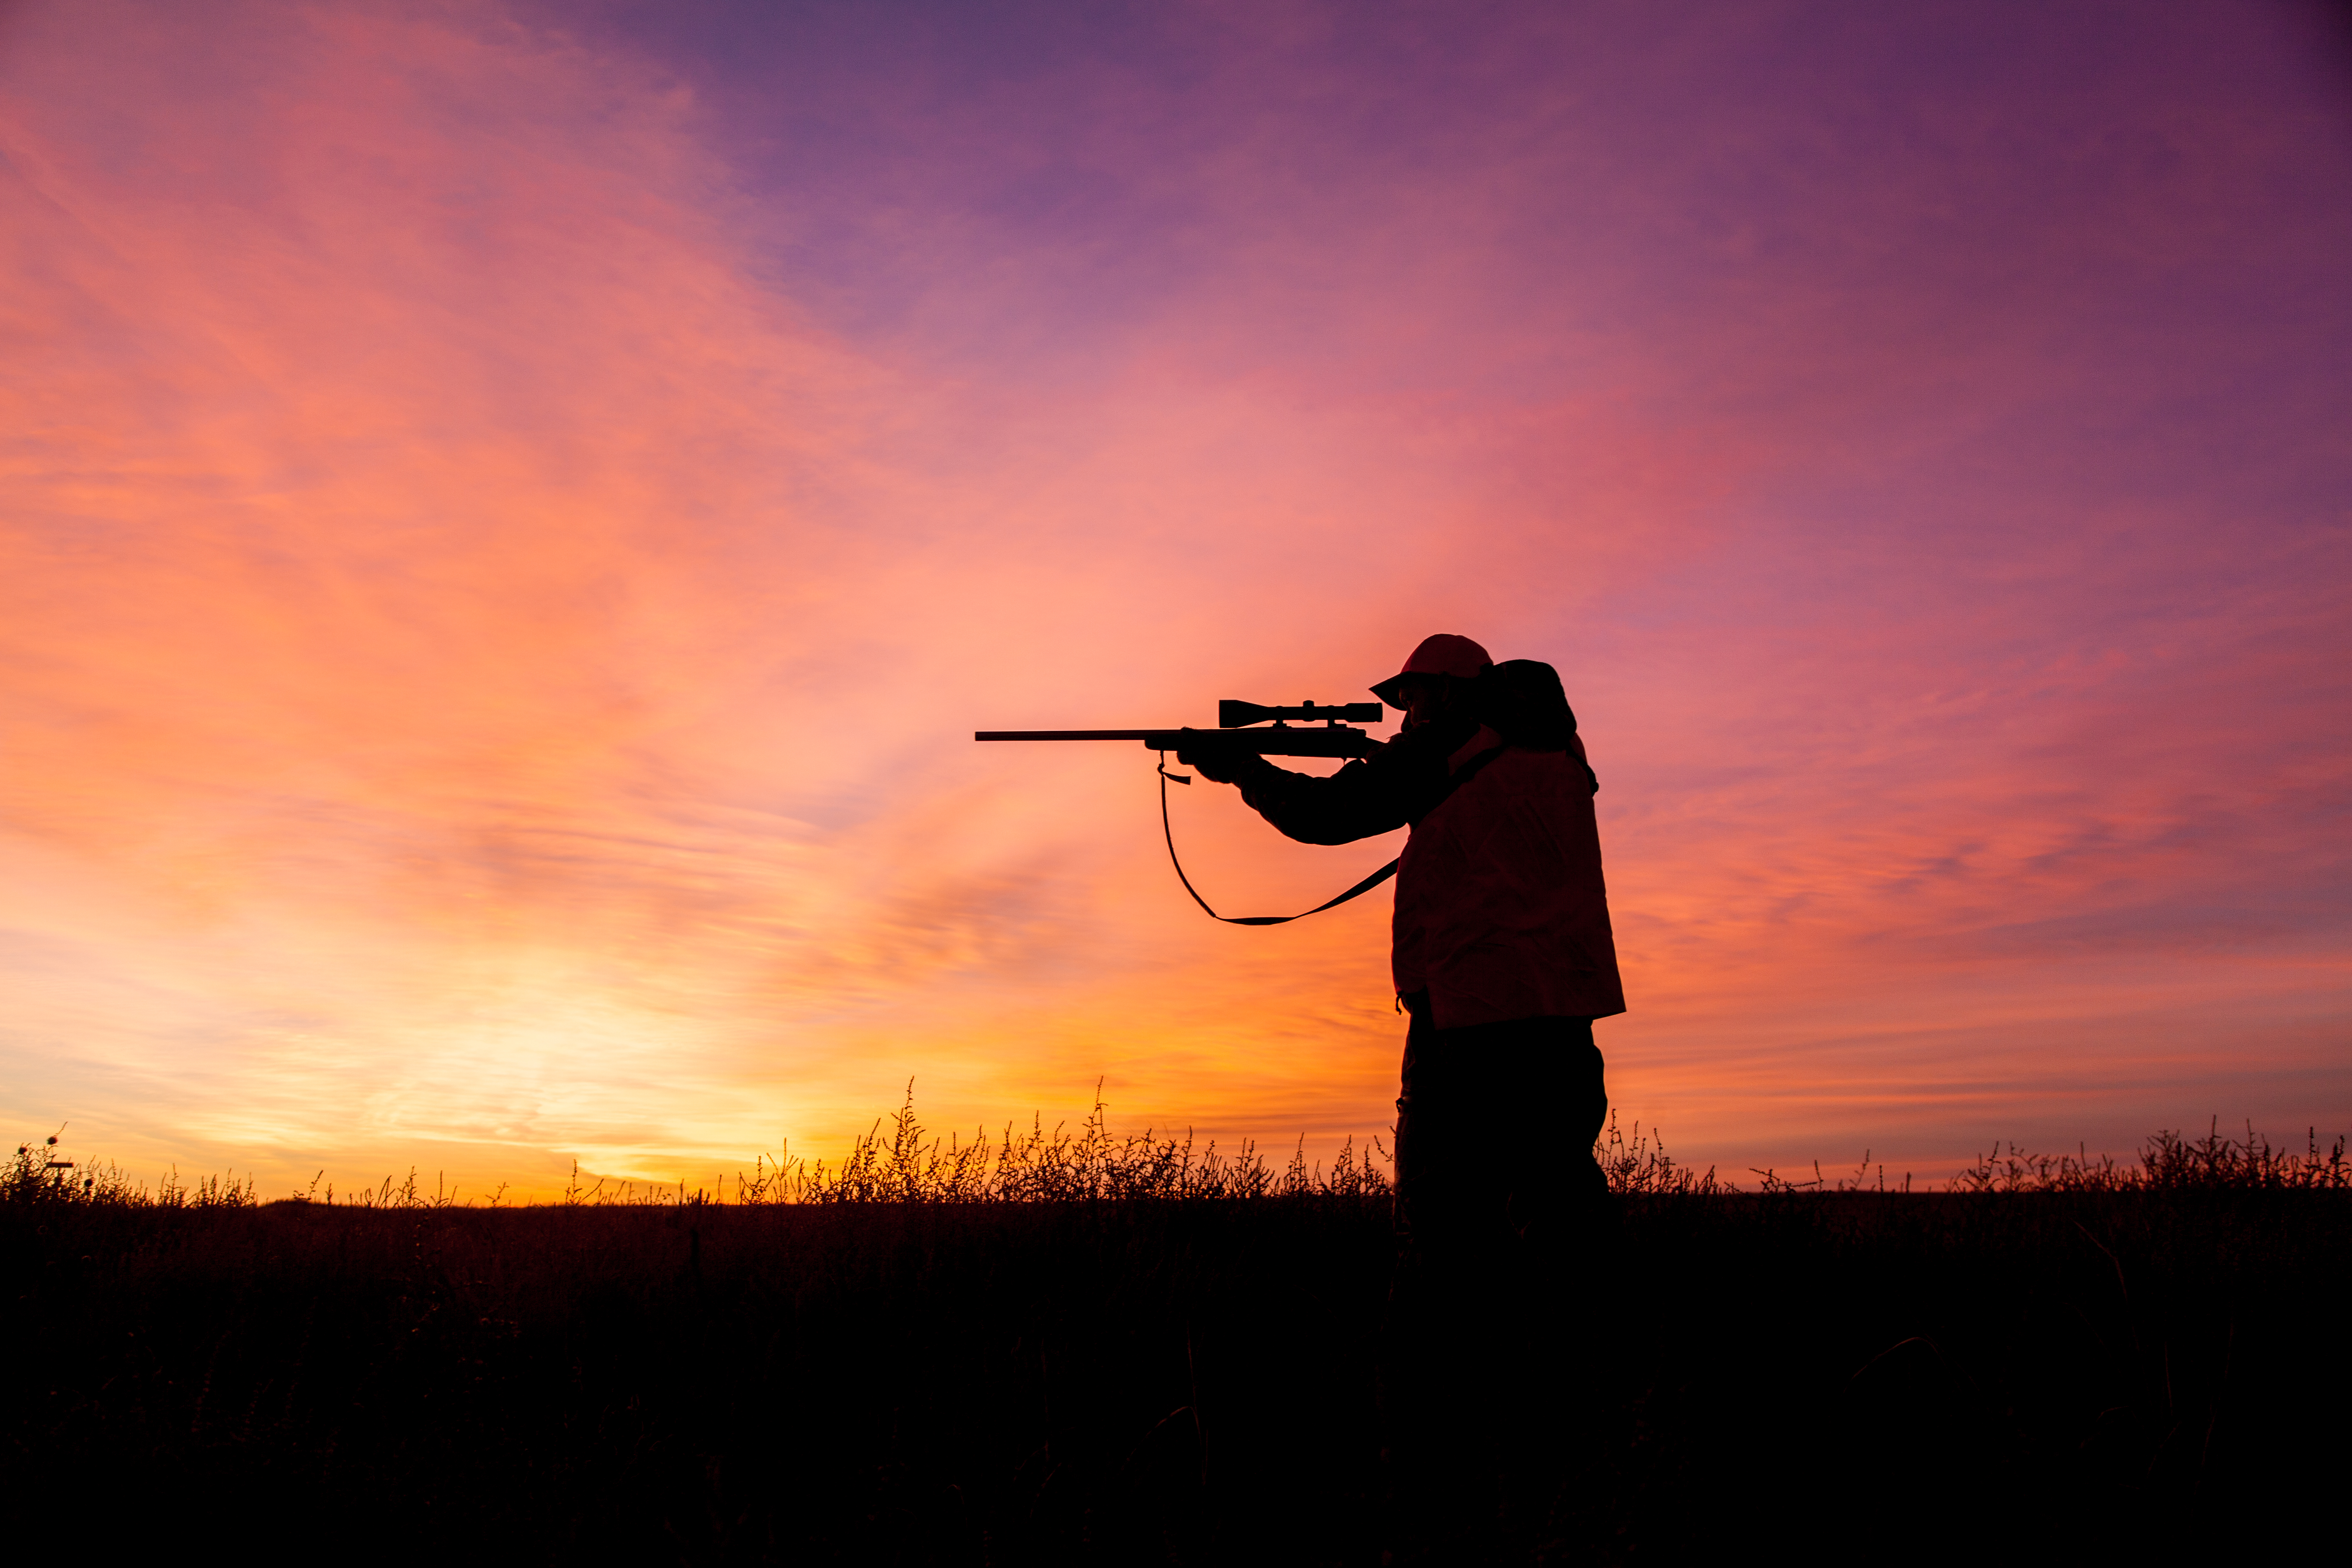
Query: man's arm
(1395, 785)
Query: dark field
(2091, 1366)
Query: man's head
(1425, 685)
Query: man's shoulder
(1538, 776)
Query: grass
(1050, 1348)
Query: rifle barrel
(1061, 734)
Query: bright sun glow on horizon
(512, 513)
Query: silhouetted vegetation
(1086, 1349)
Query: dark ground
(1860, 1376)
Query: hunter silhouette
(1502, 958)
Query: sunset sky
(510, 514)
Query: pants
(1494, 1141)
(1502, 1220)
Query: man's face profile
(1423, 698)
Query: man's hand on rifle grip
(1218, 766)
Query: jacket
(1501, 909)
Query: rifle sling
(1462, 776)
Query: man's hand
(1218, 765)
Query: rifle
(1234, 734)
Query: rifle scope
(1329, 739)
(1233, 713)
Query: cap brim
(1392, 691)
